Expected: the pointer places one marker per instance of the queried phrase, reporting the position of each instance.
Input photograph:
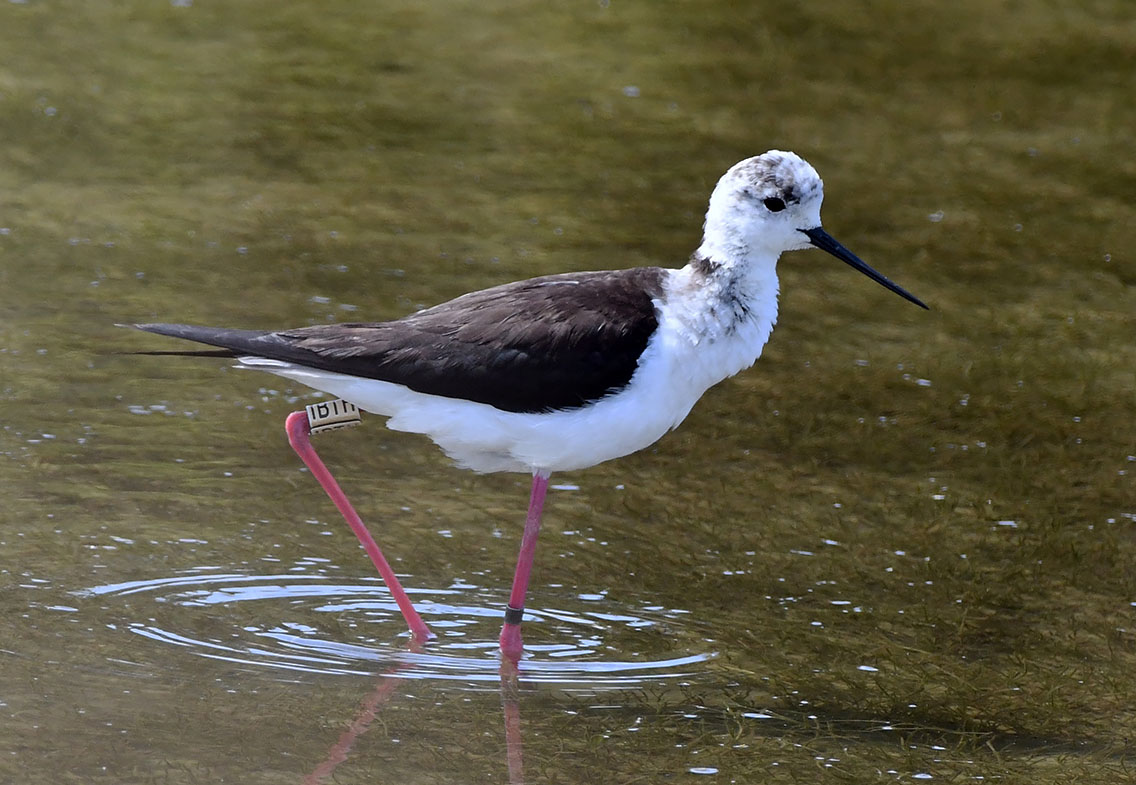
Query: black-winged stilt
(563, 371)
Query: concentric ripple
(321, 625)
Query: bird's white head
(760, 206)
(766, 205)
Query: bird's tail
(200, 353)
(231, 343)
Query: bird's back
(554, 342)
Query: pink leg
(298, 432)
(511, 644)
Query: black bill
(826, 242)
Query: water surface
(900, 548)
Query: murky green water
(900, 548)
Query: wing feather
(555, 342)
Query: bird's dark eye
(774, 204)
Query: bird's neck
(729, 294)
(715, 317)
(735, 269)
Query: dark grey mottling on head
(775, 173)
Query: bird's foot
(511, 645)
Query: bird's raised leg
(299, 430)
(511, 644)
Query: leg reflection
(510, 701)
(368, 710)
(388, 684)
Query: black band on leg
(513, 615)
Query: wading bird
(559, 372)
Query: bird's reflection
(368, 710)
(381, 694)
(511, 704)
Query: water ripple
(568, 646)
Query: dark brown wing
(555, 342)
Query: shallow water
(899, 548)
